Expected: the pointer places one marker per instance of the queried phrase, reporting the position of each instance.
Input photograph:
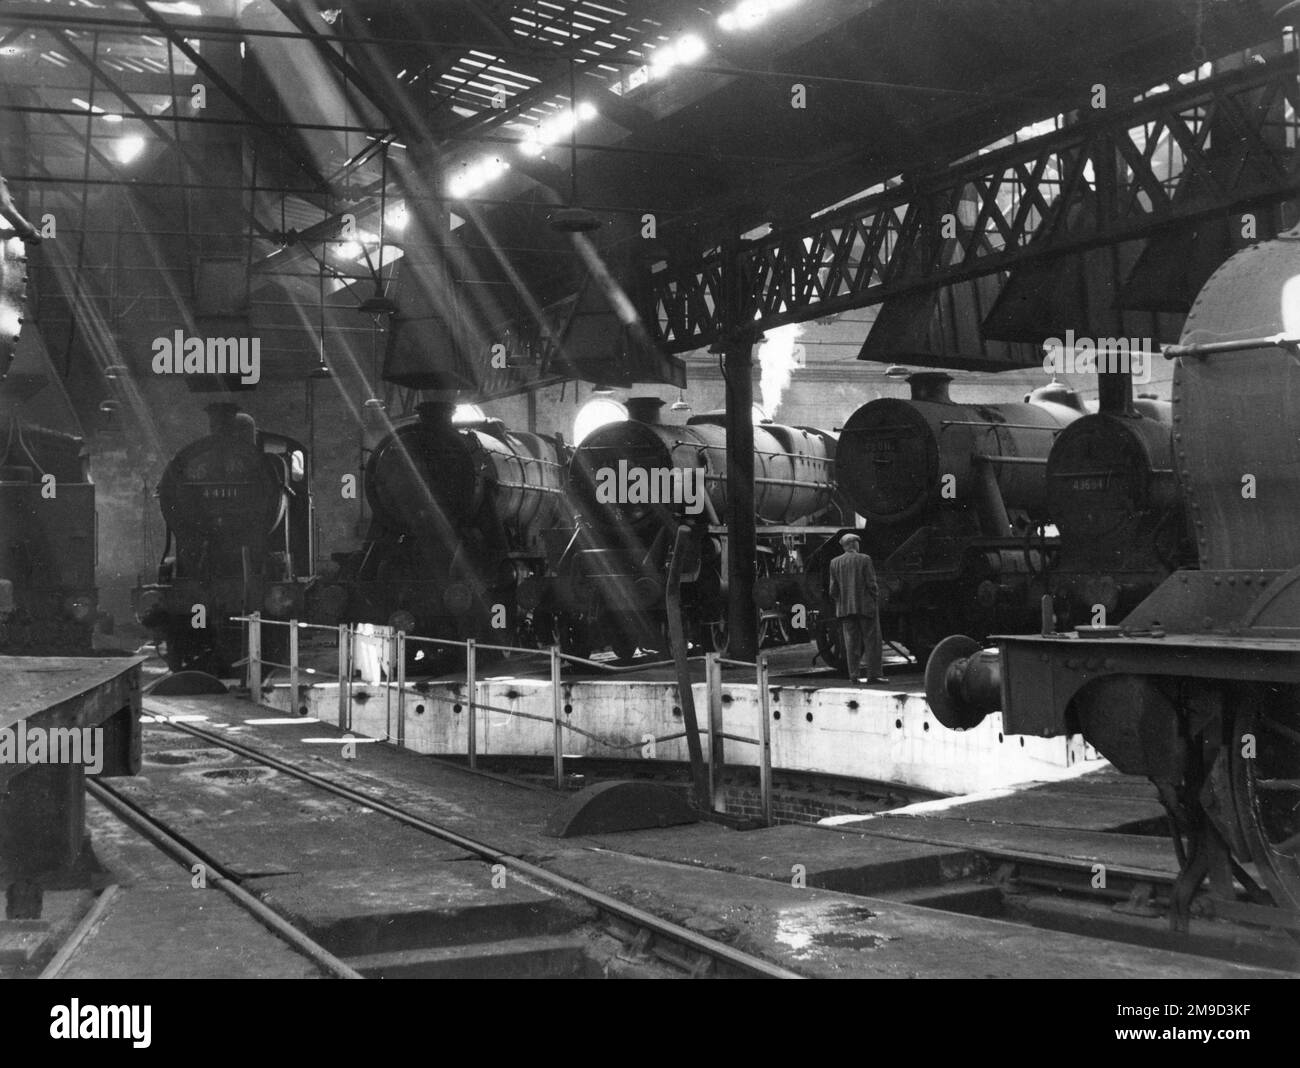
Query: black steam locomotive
(953, 496)
(458, 546)
(1198, 687)
(1113, 497)
(48, 600)
(238, 514)
(633, 483)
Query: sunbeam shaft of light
(102, 345)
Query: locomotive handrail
(995, 458)
(776, 481)
(1210, 348)
(997, 426)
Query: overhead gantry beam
(1093, 183)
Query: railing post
(399, 656)
(471, 701)
(765, 743)
(345, 676)
(293, 667)
(255, 658)
(386, 672)
(557, 709)
(717, 756)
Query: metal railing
(395, 688)
(763, 741)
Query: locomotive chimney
(243, 428)
(221, 416)
(930, 386)
(436, 413)
(1114, 393)
(644, 409)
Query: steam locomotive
(1113, 497)
(464, 517)
(48, 600)
(952, 496)
(1198, 687)
(610, 585)
(238, 513)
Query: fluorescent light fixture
(111, 118)
(128, 147)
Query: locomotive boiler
(951, 496)
(1198, 688)
(462, 518)
(48, 599)
(238, 515)
(633, 483)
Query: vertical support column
(471, 700)
(557, 720)
(717, 753)
(255, 658)
(742, 539)
(293, 667)
(765, 743)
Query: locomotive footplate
(61, 718)
(1213, 719)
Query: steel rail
(137, 818)
(84, 927)
(629, 913)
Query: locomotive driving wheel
(1262, 783)
(716, 637)
(830, 643)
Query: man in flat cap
(854, 590)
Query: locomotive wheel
(624, 648)
(570, 633)
(830, 643)
(1264, 794)
(716, 638)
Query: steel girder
(1096, 182)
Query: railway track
(1113, 901)
(645, 935)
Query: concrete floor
(821, 900)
